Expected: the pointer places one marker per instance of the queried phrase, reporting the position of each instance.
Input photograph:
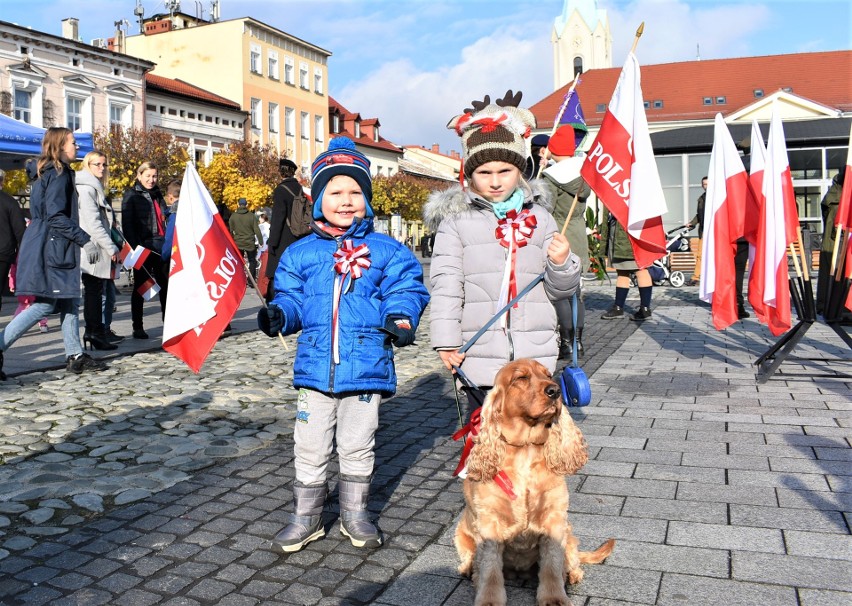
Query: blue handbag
(576, 390)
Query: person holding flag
(143, 221)
(352, 293)
(621, 169)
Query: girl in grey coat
(96, 219)
(493, 239)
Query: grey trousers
(351, 421)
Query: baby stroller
(661, 270)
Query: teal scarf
(513, 202)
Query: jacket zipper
(339, 242)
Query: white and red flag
(844, 208)
(148, 289)
(206, 277)
(621, 169)
(135, 258)
(724, 211)
(778, 227)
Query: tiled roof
(364, 139)
(184, 89)
(682, 87)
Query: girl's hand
(559, 249)
(451, 357)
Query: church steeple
(581, 41)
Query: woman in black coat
(49, 259)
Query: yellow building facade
(280, 80)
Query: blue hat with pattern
(341, 158)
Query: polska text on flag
(778, 226)
(727, 193)
(206, 277)
(621, 169)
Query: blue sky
(415, 63)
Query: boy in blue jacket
(352, 293)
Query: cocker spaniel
(516, 493)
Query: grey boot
(354, 519)
(306, 524)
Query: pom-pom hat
(495, 132)
(341, 158)
(563, 142)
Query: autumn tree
(16, 182)
(402, 194)
(126, 149)
(243, 170)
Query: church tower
(581, 41)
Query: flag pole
(561, 111)
(260, 296)
(570, 212)
(639, 33)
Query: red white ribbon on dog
(513, 232)
(471, 430)
(350, 262)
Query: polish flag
(206, 277)
(148, 289)
(727, 192)
(124, 252)
(844, 209)
(135, 259)
(778, 225)
(621, 169)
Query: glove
(400, 330)
(270, 320)
(93, 253)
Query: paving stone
(820, 597)
(788, 519)
(686, 511)
(716, 536)
(679, 589)
(668, 558)
(630, 487)
(816, 573)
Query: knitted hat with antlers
(494, 132)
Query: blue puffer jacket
(304, 290)
(49, 260)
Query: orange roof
(682, 87)
(184, 89)
(364, 139)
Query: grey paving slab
(678, 589)
(810, 572)
(719, 536)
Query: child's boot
(354, 519)
(306, 524)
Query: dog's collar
(503, 438)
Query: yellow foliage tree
(401, 194)
(244, 170)
(16, 182)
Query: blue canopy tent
(20, 141)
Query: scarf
(513, 202)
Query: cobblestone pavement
(147, 484)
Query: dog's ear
(486, 458)
(565, 451)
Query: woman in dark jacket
(143, 219)
(49, 260)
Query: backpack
(301, 213)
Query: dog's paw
(575, 576)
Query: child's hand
(270, 320)
(559, 249)
(399, 329)
(451, 357)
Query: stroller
(661, 270)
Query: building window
(200, 157)
(357, 129)
(758, 93)
(116, 71)
(255, 113)
(75, 62)
(288, 71)
(319, 129)
(150, 108)
(289, 121)
(335, 124)
(318, 80)
(787, 89)
(708, 100)
(303, 76)
(273, 65)
(376, 133)
(74, 114)
(721, 100)
(190, 115)
(23, 106)
(600, 108)
(646, 104)
(658, 104)
(116, 114)
(273, 117)
(254, 59)
(578, 66)
(306, 125)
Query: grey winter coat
(49, 260)
(466, 274)
(96, 217)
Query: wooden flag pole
(838, 236)
(570, 212)
(639, 33)
(805, 260)
(261, 297)
(795, 261)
